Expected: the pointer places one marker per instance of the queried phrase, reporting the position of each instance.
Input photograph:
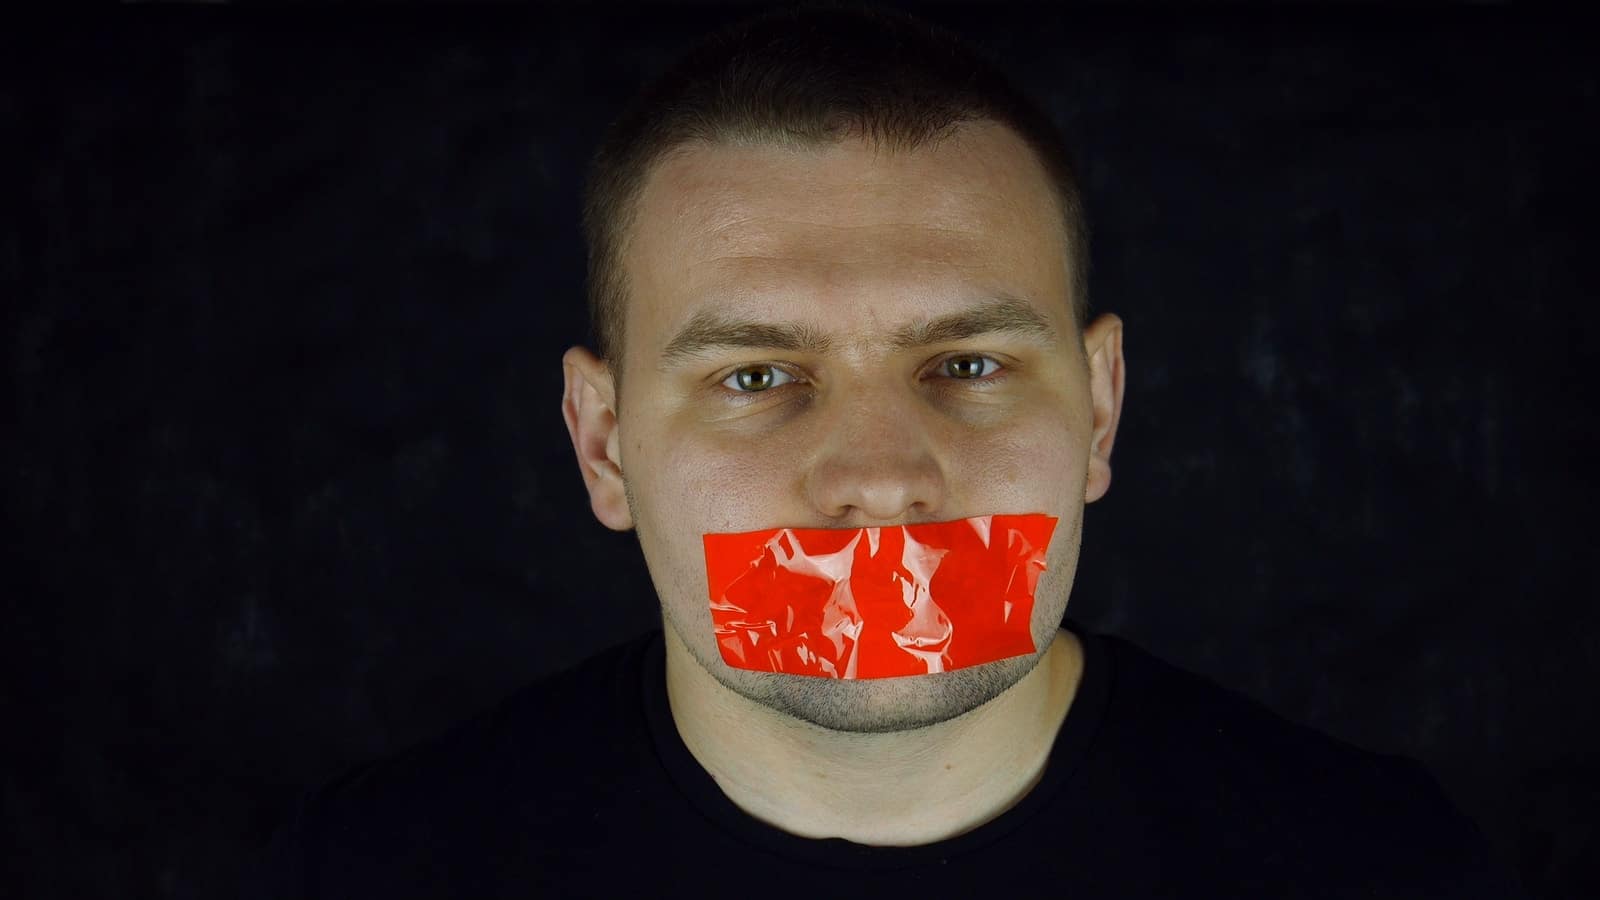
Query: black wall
(286, 485)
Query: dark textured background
(286, 485)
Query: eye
(968, 368)
(755, 379)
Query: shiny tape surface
(877, 602)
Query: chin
(878, 705)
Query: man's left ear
(1102, 345)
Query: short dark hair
(801, 77)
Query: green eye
(755, 379)
(968, 367)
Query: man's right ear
(588, 403)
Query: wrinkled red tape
(877, 602)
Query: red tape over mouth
(877, 602)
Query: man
(838, 278)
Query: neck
(899, 788)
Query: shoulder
(1189, 724)
(558, 715)
(1215, 760)
(1178, 712)
(430, 812)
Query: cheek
(1031, 467)
(722, 484)
(681, 493)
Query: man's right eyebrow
(708, 330)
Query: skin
(855, 243)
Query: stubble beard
(875, 705)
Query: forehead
(844, 232)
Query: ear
(1102, 346)
(588, 404)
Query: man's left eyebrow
(1005, 315)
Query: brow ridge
(712, 329)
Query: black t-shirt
(1160, 784)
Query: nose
(877, 463)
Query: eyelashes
(758, 379)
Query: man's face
(777, 372)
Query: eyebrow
(714, 329)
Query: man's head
(840, 266)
